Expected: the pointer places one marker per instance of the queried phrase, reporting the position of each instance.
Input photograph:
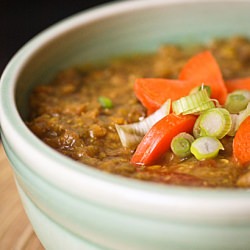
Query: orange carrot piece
(241, 142)
(203, 69)
(153, 92)
(236, 84)
(158, 139)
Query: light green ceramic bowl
(72, 206)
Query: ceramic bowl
(74, 206)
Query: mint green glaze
(89, 226)
(73, 206)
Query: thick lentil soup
(77, 114)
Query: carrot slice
(241, 142)
(203, 69)
(153, 92)
(200, 69)
(158, 139)
(239, 83)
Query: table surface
(16, 232)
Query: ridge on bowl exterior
(72, 206)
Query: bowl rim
(133, 195)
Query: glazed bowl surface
(73, 206)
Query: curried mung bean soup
(179, 116)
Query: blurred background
(20, 20)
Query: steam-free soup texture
(67, 114)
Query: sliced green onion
(237, 101)
(199, 88)
(131, 134)
(194, 103)
(237, 119)
(202, 107)
(232, 131)
(214, 122)
(105, 102)
(206, 148)
(181, 144)
(196, 128)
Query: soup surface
(67, 115)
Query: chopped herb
(105, 102)
(206, 147)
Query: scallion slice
(181, 144)
(131, 134)
(237, 119)
(193, 103)
(242, 116)
(204, 106)
(214, 122)
(196, 128)
(206, 147)
(232, 131)
(105, 102)
(237, 101)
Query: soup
(77, 113)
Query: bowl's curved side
(84, 224)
